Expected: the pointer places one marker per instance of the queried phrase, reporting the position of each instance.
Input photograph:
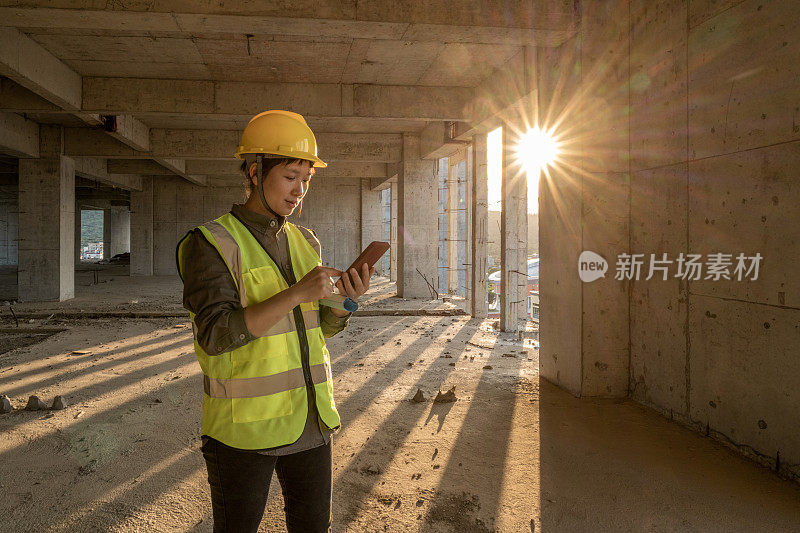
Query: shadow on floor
(614, 465)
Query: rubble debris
(487, 367)
(447, 397)
(59, 403)
(452, 364)
(80, 352)
(5, 405)
(509, 355)
(35, 404)
(419, 397)
(371, 470)
(480, 345)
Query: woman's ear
(252, 174)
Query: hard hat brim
(241, 152)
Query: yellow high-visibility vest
(256, 396)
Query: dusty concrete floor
(513, 453)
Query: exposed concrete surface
(416, 208)
(510, 452)
(47, 222)
(141, 225)
(720, 177)
(9, 224)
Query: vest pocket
(261, 283)
(261, 407)
(264, 369)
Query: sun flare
(537, 149)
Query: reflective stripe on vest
(231, 254)
(262, 385)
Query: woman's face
(286, 185)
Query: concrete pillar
(480, 233)
(416, 213)
(513, 192)
(371, 229)
(522, 247)
(120, 231)
(47, 222)
(393, 241)
(77, 233)
(108, 224)
(9, 223)
(452, 229)
(141, 224)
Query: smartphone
(370, 256)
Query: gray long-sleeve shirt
(211, 294)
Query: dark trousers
(240, 482)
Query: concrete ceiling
(361, 72)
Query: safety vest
(256, 396)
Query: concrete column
(9, 222)
(141, 223)
(393, 241)
(480, 234)
(416, 215)
(77, 233)
(513, 192)
(370, 214)
(47, 222)
(108, 224)
(452, 230)
(522, 246)
(120, 231)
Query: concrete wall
(179, 206)
(332, 208)
(721, 176)
(688, 145)
(584, 205)
(9, 224)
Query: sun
(537, 149)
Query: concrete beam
(29, 64)
(244, 99)
(222, 168)
(436, 140)
(18, 99)
(95, 168)
(144, 167)
(219, 145)
(344, 169)
(544, 22)
(19, 137)
(178, 166)
(132, 132)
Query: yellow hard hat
(280, 133)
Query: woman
(252, 283)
